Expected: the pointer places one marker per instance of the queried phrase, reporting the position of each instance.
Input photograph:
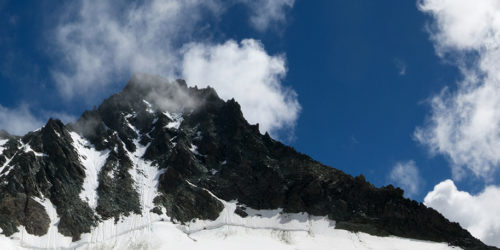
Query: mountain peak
(4, 134)
(182, 155)
(143, 84)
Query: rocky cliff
(202, 153)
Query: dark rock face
(23, 210)
(241, 212)
(117, 195)
(56, 174)
(185, 202)
(205, 151)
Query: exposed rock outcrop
(205, 151)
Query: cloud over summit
(108, 41)
(246, 72)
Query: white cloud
(406, 176)
(109, 40)
(246, 72)
(465, 123)
(104, 43)
(266, 12)
(18, 120)
(476, 213)
(106, 40)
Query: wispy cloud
(465, 123)
(266, 12)
(63, 116)
(477, 213)
(165, 95)
(407, 176)
(400, 66)
(102, 44)
(23, 118)
(18, 120)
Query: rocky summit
(163, 152)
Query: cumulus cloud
(106, 41)
(465, 123)
(477, 213)
(406, 176)
(247, 73)
(18, 120)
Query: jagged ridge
(201, 145)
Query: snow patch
(27, 148)
(6, 164)
(194, 149)
(149, 108)
(256, 219)
(176, 120)
(145, 175)
(128, 116)
(93, 161)
(2, 143)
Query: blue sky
(389, 89)
(360, 111)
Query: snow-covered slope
(262, 229)
(93, 161)
(136, 232)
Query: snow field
(261, 229)
(93, 161)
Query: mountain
(163, 165)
